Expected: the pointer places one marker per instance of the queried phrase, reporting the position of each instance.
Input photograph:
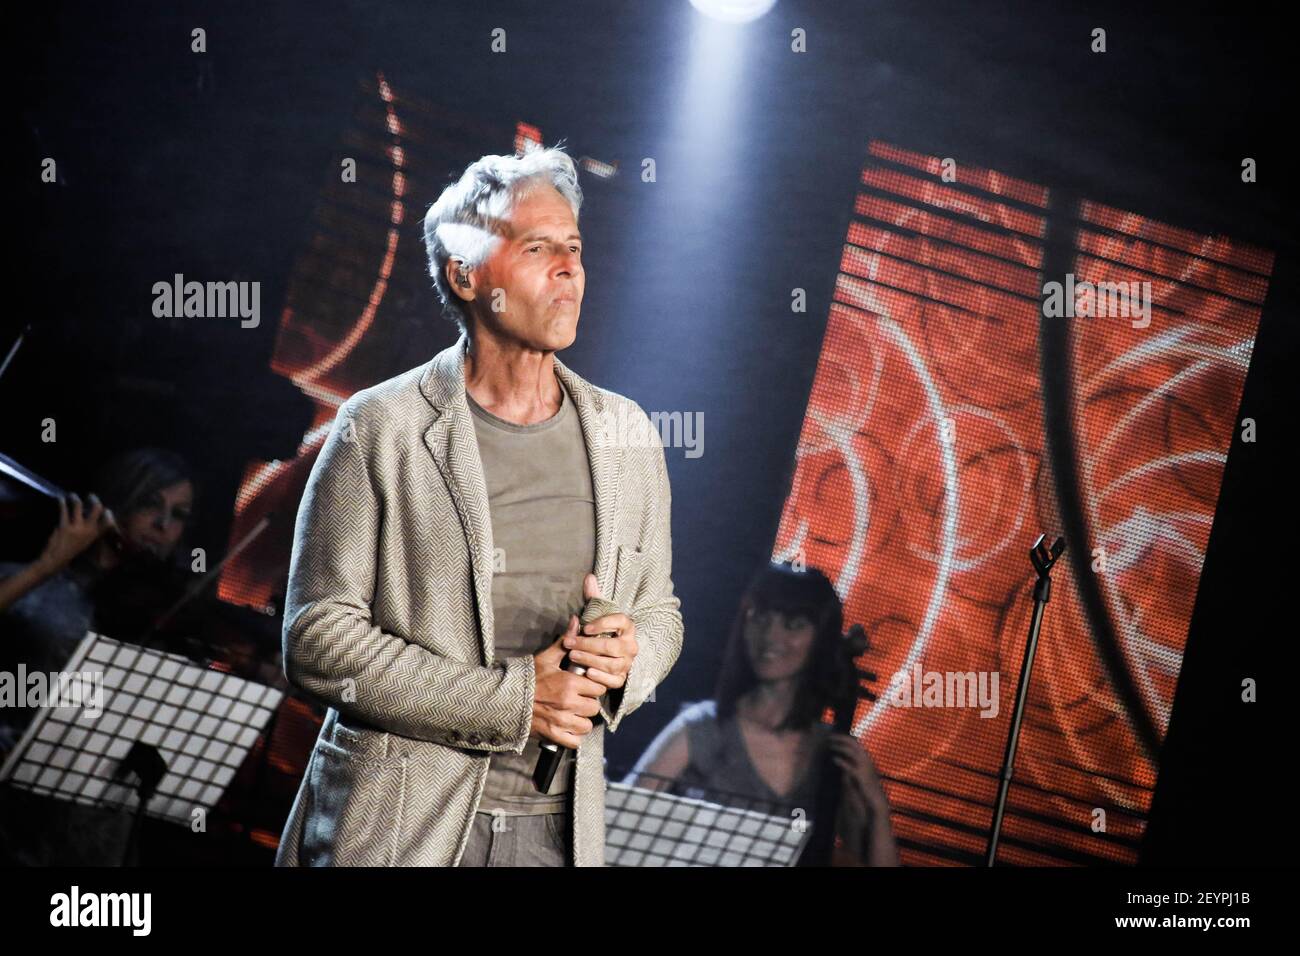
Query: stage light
(733, 11)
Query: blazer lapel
(454, 445)
(453, 442)
(600, 431)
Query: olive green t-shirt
(544, 531)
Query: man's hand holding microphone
(600, 654)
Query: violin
(852, 687)
(149, 600)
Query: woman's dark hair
(783, 589)
(127, 481)
(130, 480)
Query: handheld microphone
(548, 762)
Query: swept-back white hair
(468, 219)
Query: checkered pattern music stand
(646, 827)
(203, 723)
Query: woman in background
(99, 547)
(762, 738)
(122, 540)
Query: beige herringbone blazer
(388, 619)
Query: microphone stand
(1043, 559)
(149, 767)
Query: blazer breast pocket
(627, 576)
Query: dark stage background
(774, 172)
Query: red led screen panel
(924, 473)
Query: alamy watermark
(622, 427)
(208, 300)
(1098, 300)
(132, 910)
(918, 688)
(84, 689)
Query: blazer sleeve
(336, 654)
(655, 610)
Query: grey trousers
(540, 839)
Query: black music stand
(645, 827)
(182, 730)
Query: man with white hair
(461, 523)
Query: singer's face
(530, 289)
(157, 525)
(778, 644)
